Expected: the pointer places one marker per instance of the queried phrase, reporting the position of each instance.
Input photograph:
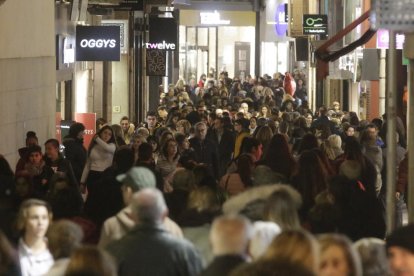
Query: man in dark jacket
(205, 150)
(148, 249)
(224, 140)
(229, 237)
(58, 163)
(75, 152)
(323, 121)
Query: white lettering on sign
(98, 43)
(160, 46)
(212, 18)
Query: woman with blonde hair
(33, 221)
(338, 257)
(183, 126)
(91, 261)
(332, 147)
(295, 246)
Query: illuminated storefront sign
(212, 18)
(280, 19)
(98, 43)
(162, 34)
(383, 39)
(315, 24)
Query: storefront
(216, 41)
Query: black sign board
(98, 43)
(315, 24)
(162, 33)
(156, 62)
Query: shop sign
(383, 39)
(280, 19)
(156, 62)
(315, 24)
(212, 18)
(162, 33)
(89, 121)
(123, 26)
(98, 43)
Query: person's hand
(397, 195)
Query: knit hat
(138, 178)
(402, 237)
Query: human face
(218, 124)
(264, 110)
(201, 110)
(201, 132)
(334, 262)
(401, 261)
(136, 143)
(245, 107)
(309, 120)
(37, 221)
(258, 152)
(35, 158)
(186, 144)
(237, 127)
(172, 149)
(125, 125)
(372, 132)
(350, 131)
(253, 123)
(180, 128)
(151, 120)
(106, 135)
(51, 151)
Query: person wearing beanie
(114, 228)
(75, 152)
(400, 251)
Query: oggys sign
(98, 43)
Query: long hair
(350, 253)
(264, 135)
(278, 156)
(311, 177)
(245, 169)
(282, 208)
(112, 140)
(92, 261)
(295, 246)
(5, 168)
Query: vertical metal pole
(391, 130)
(410, 139)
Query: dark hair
(54, 142)
(112, 140)
(124, 159)
(245, 170)
(5, 168)
(100, 121)
(308, 142)
(164, 149)
(278, 156)
(145, 152)
(152, 113)
(75, 129)
(33, 149)
(248, 144)
(311, 177)
(124, 118)
(179, 138)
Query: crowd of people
(226, 177)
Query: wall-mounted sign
(98, 43)
(162, 33)
(123, 25)
(383, 39)
(280, 19)
(156, 62)
(315, 24)
(212, 18)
